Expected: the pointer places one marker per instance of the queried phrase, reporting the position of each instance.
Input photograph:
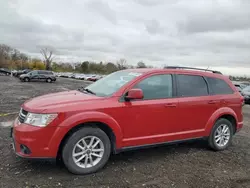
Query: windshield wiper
(87, 90)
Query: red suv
(126, 110)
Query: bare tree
(48, 57)
(122, 64)
(4, 55)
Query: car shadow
(128, 157)
(162, 151)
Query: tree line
(15, 60)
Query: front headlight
(39, 120)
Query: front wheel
(26, 79)
(86, 151)
(221, 135)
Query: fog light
(24, 149)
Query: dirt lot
(184, 165)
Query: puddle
(6, 124)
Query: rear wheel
(86, 151)
(221, 135)
(49, 80)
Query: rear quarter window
(219, 86)
(49, 72)
(191, 86)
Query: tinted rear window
(219, 86)
(191, 86)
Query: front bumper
(32, 142)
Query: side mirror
(134, 94)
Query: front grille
(22, 115)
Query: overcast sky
(201, 33)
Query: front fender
(81, 118)
(216, 115)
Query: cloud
(213, 33)
(103, 9)
(217, 16)
(150, 2)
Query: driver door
(151, 119)
(34, 76)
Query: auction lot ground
(183, 165)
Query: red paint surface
(133, 123)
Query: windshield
(247, 89)
(112, 83)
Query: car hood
(59, 102)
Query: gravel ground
(183, 165)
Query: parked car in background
(92, 78)
(38, 75)
(5, 71)
(245, 83)
(240, 84)
(246, 94)
(239, 87)
(80, 76)
(20, 72)
(129, 109)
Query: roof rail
(192, 68)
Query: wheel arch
(91, 118)
(97, 124)
(232, 120)
(226, 113)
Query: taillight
(242, 100)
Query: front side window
(191, 86)
(33, 73)
(219, 86)
(112, 83)
(156, 87)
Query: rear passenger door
(195, 104)
(42, 75)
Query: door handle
(223, 101)
(170, 105)
(212, 102)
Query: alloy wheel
(222, 135)
(88, 152)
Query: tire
(26, 79)
(49, 80)
(214, 135)
(70, 147)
